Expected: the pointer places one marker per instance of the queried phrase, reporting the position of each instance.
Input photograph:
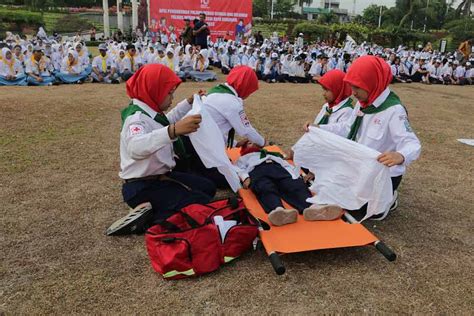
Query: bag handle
(191, 221)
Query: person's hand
(40, 79)
(289, 155)
(246, 183)
(306, 127)
(201, 94)
(100, 77)
(187, 125)
(242, 143)
(391, 159)
(308, 177)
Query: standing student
(149, 142)
(11, 70)
(225, 103)
(103, 67)
(383, 122)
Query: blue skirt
(19, 81)
(68, 78)
(47, 81)
(203, 76)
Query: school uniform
(13, 68)
(147, 162)
(273, 179)
(331, 115)
(72, 73)
(129, 66)
(436, 74)
(227, 110)
(104, 65)
(42, 68)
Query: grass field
(59, 188)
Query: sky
(362, 4)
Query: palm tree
(464, 8)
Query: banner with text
(225, 18)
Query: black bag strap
(191, 221)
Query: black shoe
(115, 81)
(135, 222)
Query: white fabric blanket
(210, 146)
(346, 173)
(466, 141)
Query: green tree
(282, 8)
(371, 14)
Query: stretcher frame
(339, 233)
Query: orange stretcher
(306, 235)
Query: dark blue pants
(271, 182)
(167, 197)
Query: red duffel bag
(189, 243)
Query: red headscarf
(334, 81)
(244, 80)
(249, 148)
(371, 74)
(151, 84)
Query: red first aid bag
(189, 242)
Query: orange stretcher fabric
(303, 235)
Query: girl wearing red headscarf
(149, 142)
(381, 121)
(225, 103)
(338, 107)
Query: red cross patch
(136, 129)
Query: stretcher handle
(385, 250)
(276, 263)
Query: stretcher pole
(273, 256)
(385, 250)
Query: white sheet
(346, 173)
(210, 146)
(466, 141)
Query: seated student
(200, 65)
(272, 178)
(420, 72)
(298, 73)
(172, 63)
(345, 63)
(103, 67)
(57, 57)
(11, 70)
(260, 66)
(72, 71)
(460, 73)
(225, 59)
(84, 59)
(436, 73)
(149, 142)
(469, 77)
(129, 63)
(338, 107)
(119, 62)
(449, 72)
(39, 69)
(384, 125)
(225, 103)
(271, 71)
(319, 68)
(18, 54)
(397, 71)
(187, 65)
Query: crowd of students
(48, 61)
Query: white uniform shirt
(338, 114)
(386, 131)
(228, 112)
(97, 63)
(33, 67)
(460, 72)
(127, 64)
(76, 69)
(436, 72)
(145, 145)
(247, 163)
(5, 68)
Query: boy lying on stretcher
(271, 178)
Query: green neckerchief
(178, 145)
(264, 153)
(222, 88)
(391, 100)
(325, 119)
